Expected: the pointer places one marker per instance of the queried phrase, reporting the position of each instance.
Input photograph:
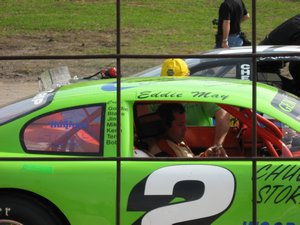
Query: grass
(147, 26)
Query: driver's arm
(221, 130)
(222, 126)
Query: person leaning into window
(198, 114)
(170, 143)
(231, 14)
(287, 33)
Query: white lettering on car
(245, 72)
(5, 211)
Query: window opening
(70, 131)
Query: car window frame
(102, 122)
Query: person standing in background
(231, 14)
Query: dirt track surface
(12, 90)
(19, 78)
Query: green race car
(64, 162)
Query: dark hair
(166, 112)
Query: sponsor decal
(176, 95)
(275, 58)
(159, 94)
(287, 104)
(274, 190)
(111, 124)
(278, 188)
(6, 211)
(203, 94)
(267, 223)
(68, 124)
(245, 72)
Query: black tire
(23, 210)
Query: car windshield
(20, 108)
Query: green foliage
(147, 26)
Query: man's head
(174, 67)
(174, 119)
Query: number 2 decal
(183, 194)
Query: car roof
(202, 89)
(267, 49)
(131, 86)
(214, 61)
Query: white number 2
(219, 186)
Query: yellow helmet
(174, 67)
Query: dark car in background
(273, 70)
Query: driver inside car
(170, 143)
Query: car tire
(19, 209)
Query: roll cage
(238, 140)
